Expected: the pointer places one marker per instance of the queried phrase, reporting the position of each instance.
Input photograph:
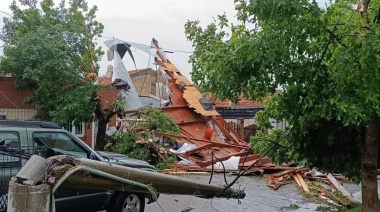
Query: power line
(177, 50)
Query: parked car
(20, 139)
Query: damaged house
(205, 136)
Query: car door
(62, 143)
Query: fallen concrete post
(162, 183)
(24, 194)
(31, 198)
(39, 178)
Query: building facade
(12, 107)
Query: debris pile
(326, 187)
(205, 142)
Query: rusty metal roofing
(195, 123)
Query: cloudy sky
(141, 20)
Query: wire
(213, 206)
(10, 100)
(212, 168)
(160, 206)
(224, 168)
(285, 196)
(176, 50)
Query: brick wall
(10, 97)
(87, 138)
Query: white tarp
(232, 163)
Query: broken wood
(331, 195)
(303, 183)
(340, 188)
(297, 180)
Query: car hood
(124, 160)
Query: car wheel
(129, 202)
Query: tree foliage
(156, 119)
(50, 49)
(324, 61)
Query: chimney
(109, 72)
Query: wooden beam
(207, 163)
(206, 141)
(223, 121)
(188, 153)
(224, 131)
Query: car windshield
(59, 142)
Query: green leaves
(324, 61)
(159, 121)
(49, 49)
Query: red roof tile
(105, 80)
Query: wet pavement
(259, 197)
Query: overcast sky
(141, 20)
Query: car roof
(29, 124)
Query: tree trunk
(101, 136)
(369, 156)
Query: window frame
(73, 129)
(69, 135)
(13, 132)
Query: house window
(75, 129)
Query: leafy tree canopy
(325, 61)
(50, 49)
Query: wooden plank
(207, 163)
(220, 144)
(289, 171)
(228, 126)
(206, 146)
(303, 184)
(192, 96)
(224, 131)
(186, 173)
(297, 180)
(340, 188)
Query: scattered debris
(187, 209)
(207, 143)
(315, 182)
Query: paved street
(259, 197)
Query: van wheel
(129, 202)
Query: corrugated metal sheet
(132, 98)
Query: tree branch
(377, 17)
(339, 40)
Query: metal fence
(12, 158)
